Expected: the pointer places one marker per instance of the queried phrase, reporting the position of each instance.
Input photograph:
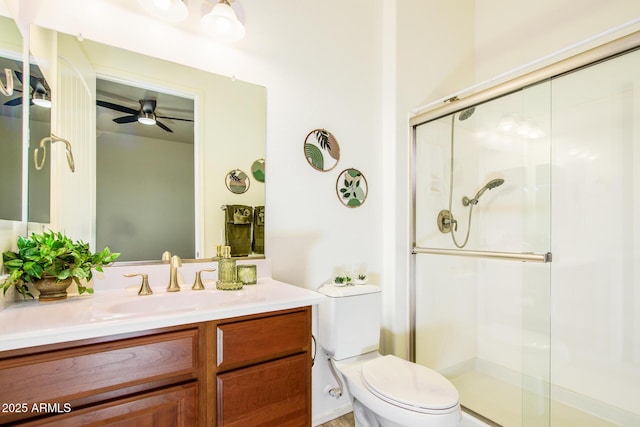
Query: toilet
(386, 391)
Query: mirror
(229, 130)
(11, 123)
(39, 178)
(144, 162)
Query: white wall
(434, 57)
(321, 67)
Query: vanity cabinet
(263, 375)
(149, 378)
(246, 371)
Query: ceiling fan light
(167, 10)
(222, 23)
(147, 118)
(41, 100)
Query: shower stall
(526, 244)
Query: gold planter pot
(51, 289)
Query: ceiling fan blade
(18, 75)
(14, 102)
(163, 126)
(126, 119)
(116, 107)
(174, 118)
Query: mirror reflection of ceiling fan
(39, 92)
(146, 114)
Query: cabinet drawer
(252, 341)
(269, 394)
(171, 407)
(71, 374)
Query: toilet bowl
(386, 391)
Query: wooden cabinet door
(171, 407)
(270, 394)
(247, 342)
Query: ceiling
(129, 96)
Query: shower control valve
(446, 221)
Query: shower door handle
(509, 256)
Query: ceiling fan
(39, 92)
(146, 114)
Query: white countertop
(29, 323)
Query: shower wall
(537, 344)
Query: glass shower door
(482, 207)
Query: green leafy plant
(362, 277)
(340, 280)
(54, 255)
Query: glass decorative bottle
(227, 273)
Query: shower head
(488, 186)
(465, 114)
(494, 183)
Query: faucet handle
(197, 284)
(144, 286)
(176, 261)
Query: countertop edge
(68, 333)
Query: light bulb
(167, 10)
(41, 100)
(147, 118)
(222, 23)
(162, 4)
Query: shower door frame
(453, 105)
(606, 51)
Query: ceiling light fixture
(222, 23)
(41, 99)
(167, 10)
(147, 118)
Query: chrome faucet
(173, 274)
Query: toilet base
(371, 411)
(367, 418)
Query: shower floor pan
(502, 403)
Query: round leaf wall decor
(258, 170)
(321, 149)
(351, 188)
(237, 181)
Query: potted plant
(50, 261)
(342, 280)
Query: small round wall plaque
(351, 188)
(237, 181)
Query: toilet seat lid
(409, 385)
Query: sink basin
(181, 301)
(157, 303)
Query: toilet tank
(349, 320)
